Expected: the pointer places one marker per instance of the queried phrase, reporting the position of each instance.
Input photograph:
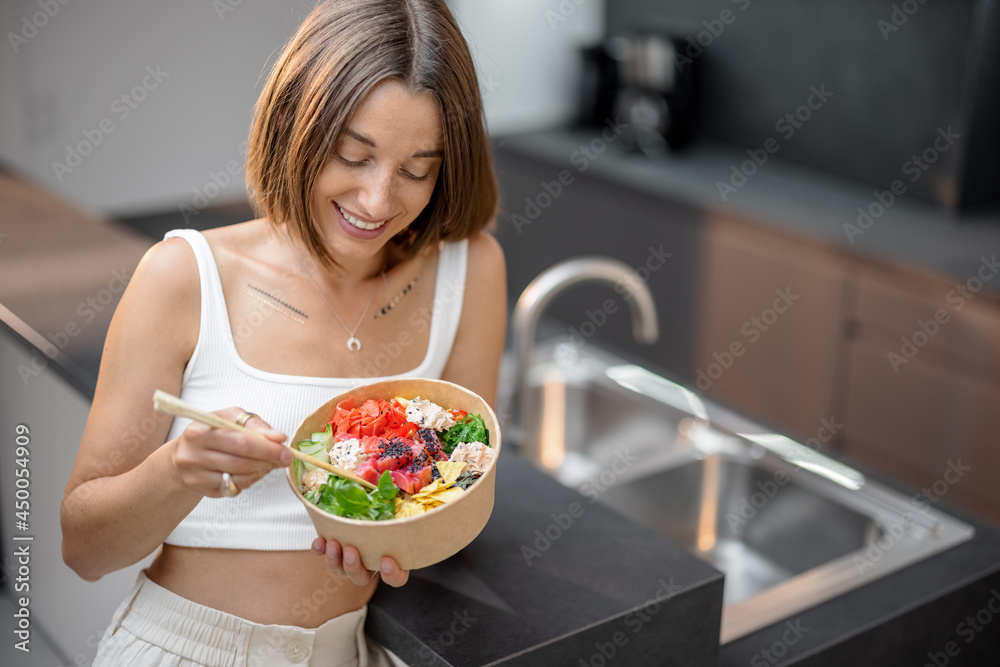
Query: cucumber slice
(314, 449)
(324, 437)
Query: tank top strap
(449, 291)
(214, 325)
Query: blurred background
(809, 190)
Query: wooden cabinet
(768, 339)
(904, 362)
(923, 389)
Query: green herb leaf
(352, 497)
(471, 428)
(350, 500)
(386, 489)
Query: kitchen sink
(788, 526)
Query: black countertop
(554, 579)
(600, 593)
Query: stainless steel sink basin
(788, 526)
(701, 505)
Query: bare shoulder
(159, 311)
(169, 258)
(166, 278)
(486, 261)
(485, 249)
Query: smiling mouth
(360, 224)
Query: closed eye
(414, 177)
(350, 163)
(360, 163)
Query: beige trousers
(158, 628)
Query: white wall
(73, 70)
(70, 73)
(526, 54)
(11, 144)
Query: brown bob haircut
(341, 51)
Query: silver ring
(245, 417)
(228, 487)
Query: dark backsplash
(895, 89)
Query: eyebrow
(368, 141)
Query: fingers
(203, 453)
(266, 448)
(392, 574)
(254, 423)
(346, 561)
(237, 452)
(350, 563)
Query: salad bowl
(414, 541)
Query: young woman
(369, 165)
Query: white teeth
(360, 224)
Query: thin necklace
(353, 344)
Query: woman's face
(382, 173)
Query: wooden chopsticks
(172, 405)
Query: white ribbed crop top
(267, 516)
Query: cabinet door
(927, 424)
(769, 325)
(923, 392)
(939, 321)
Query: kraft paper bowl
(427, 538)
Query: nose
(376, 194)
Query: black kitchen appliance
(639, 82)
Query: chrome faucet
(544, 288)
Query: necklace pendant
(353, 344)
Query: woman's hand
(346, 561)
(202, 453)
